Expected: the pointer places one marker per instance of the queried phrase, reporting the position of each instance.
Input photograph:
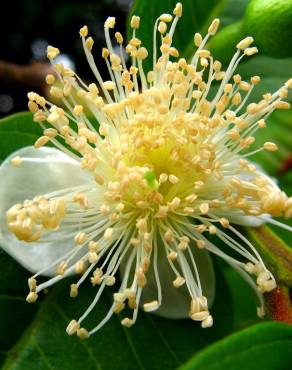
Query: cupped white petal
(42, 171)
(244, 220)
(176, 301)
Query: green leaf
(197, 16)
(274, 73)
(276, 254)
(15, 313)
(17, 131)
(243, 299)
(278, 130)
(263, 346)
(153, 343)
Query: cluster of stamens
(168, 165)
(29, 220)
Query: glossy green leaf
(278, 130)
(263, 346)
(243, 299)
(274, 73)
(15, 313)
(17, 131)
(277, 255)
(197, 16)
(153, 343)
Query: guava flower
(148, 172)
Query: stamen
(167, 168)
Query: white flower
(146, 168)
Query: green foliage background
(33, 336)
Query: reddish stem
(279, 305)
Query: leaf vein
(87, 348)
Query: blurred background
(29, 26)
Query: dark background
(27, 27)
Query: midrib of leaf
(128, 337)
(132, 346)
(41, 353)
(83, 342)
(164, 341)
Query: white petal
(252, 221)
(176, 301)
(47, 170)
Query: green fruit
(270, 24)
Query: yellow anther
(73, 290)
(78, 110)
(109, 85)
(255, 80)
(198, 39)
(56, 92)
(224, 222)
(166, 18)
(251, 51)
(204, 208)
(142, 53)
(50, 79)
(178, 10)
(168, 236)
(172, 256)
(135, 22)
(173, 179)
(80, 238)
(110, 22)
(201, 244)
(178, 282)
(89, 43)
(79, 267)
(41, 142)
(282, 105)
(127, 322)
(119, 37)
(105, 53)
(151, 306)
(82, 333)
(207, 322)
(108, 234)
(72, 327)
(83, 31)
(271, 147)
(52, 52)
(214, 27)
(32, 297)
(16, 161)
(245, 43)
